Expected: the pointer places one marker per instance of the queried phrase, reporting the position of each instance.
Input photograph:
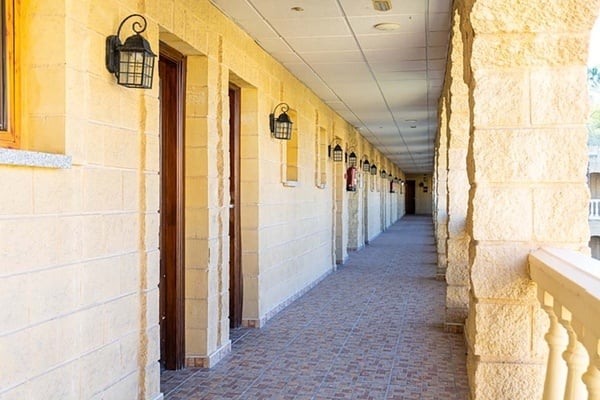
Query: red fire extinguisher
(351, 179)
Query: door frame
(236, 298)
(172, 153)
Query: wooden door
(410, 197)
(171, 70)
(235, 251)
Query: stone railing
(569, 291)
(594, 209)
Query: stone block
(529, 155)
(560, 213)
(19, 199)
(519, 17)
(196, 342)
(59, 383)
(502, 206)
(502, 98)
(559, 96)
(506, 381)
(500, 271)
(503, 330)
(524, 50)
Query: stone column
(526, 163)
(457, 245)
(440, 211)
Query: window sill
(34, 159)
(290, 183)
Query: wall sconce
(366, 167)
(281, 128)
(390, 177)
(338, 152)
(383, 173)
(133, 61)
(373, 169)
(352, 159)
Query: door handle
(231, 206)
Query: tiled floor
(371, 330)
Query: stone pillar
(457, 245)
(526, 163)
(440, 211)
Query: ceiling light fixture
(387, 26)
(382, 5)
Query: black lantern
(390, 177)
(337, 154)
(366, 167)
(133, 61)
(373, 169)
(281, 127)
(352, 159)
(383, 173)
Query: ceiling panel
(382, 82)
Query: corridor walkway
(371, 330)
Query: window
(8, 135)
(291, 149)
(321, 158)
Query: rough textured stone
(504, 381)
(500, 271)
(522, 16)
(556, 209)
(502, 206)
(529, 155)
(501, 97)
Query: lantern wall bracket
(114, 46)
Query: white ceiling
(386, 83)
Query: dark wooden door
(171, 71)
(235, 256)
(410, 197)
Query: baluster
(592, 381)
(557, 339)
(577, 361)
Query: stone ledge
(34, 159)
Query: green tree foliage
(593, 125)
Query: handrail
(568, 285)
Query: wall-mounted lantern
(373, 169)
(366, 167)
(383, 173)
(390, 177)
(281, 127)
(337, 153)
(352, 159)
(133, 61)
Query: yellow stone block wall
(80, 272)
(440, 209)
(526, 166)
(457, 182)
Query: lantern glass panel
(366, 166)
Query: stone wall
(80, 263)
(524, 66)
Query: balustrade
(569, 291)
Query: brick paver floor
(371, 330)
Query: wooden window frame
(9, 137)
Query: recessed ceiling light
(297, 9)
(387, 26)
(382, 5)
